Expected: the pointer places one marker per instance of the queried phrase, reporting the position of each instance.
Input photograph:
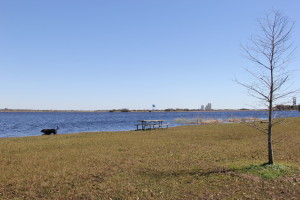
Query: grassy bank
(220, 161)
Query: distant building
(202, 107)
(208, 106)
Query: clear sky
(105, 54)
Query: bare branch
(257, 127)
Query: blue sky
(96, 54)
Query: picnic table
(150, 124)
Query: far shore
(120, 110)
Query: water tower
(153, 106)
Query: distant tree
(270, 53)
(125, 110)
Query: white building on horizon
(208, 106)
(202, 107)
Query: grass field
(214, 161)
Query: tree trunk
(270, 147)
(270, 124)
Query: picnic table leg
(143, 126)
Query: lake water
(20, 124)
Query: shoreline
(134, 111)
(190, 123)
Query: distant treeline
(32, 110)
(173, 110)
(165, 110)
(120, 110)
(287, 107)
(145, 110)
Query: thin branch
(255, 126)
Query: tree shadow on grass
(193, 172)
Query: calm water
(21, 124)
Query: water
(20, 124)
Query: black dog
(49, 131)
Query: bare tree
(270, 53)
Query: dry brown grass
(238, 120)
(187, 162)
(212, 121)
